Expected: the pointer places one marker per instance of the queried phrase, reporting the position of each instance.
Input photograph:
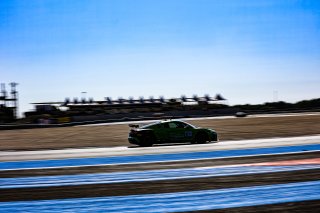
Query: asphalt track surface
(160, 149)
(280, 175)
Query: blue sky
(244, 49)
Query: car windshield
(188, 125)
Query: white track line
(207, 118)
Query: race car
(170, 132)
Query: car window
(173, 125)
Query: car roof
(168, 121)
(163, 121)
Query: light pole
(14, 98)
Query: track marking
(176, 202)
(205, 118)
(288, 162)
(157, 175)
(190, 156)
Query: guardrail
(33, 126)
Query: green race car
(170, 132)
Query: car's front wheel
(202, 137)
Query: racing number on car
(188, 133)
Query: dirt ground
(116, 135)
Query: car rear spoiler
(134, 125)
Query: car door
(189, 133)
(161, 133)
(175, 132)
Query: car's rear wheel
(148, 140)
(202, 137)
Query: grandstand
(88, 109)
